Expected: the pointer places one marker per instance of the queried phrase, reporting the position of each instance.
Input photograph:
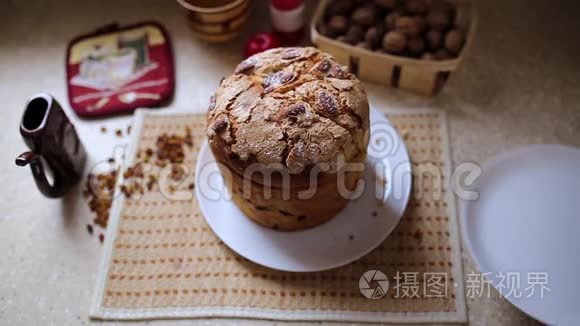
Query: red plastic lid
(287, 4)
(117, 69)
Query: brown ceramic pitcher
(56, 151)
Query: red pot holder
(117, 69)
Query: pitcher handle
(37, 168)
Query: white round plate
(527, 222)
(350, 235)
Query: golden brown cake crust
(292, 107)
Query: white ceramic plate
(350, 235)
(527, 220)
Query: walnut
(408, 25)
(391, 19)
(416, 45)
(373, 36)
(364, 16)
(354, 35)
(438, 19)
(434, 39)
(364, 45)
(340, 7)
(338, 24)
(427, 56)
(416, 6)
(442, 54)
(325, 30)
(454, 41)
(394, 42)
(386, 4)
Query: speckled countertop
(519, 84)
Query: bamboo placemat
(162, 261)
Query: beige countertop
(519, 84)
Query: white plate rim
(489, 165)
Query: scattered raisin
(90, 228)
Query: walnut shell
(408, 25)
(364, 45)
(386, 4)
(438, 19)
(454, 40)
(373, 36)
(338, 24)
(391, 19)
(416, 45)
(427, 56)
(394, 42)
(354, 34)
(364, 16)
(442, 54)
(417, 7)
(340, 7)
(434, 39)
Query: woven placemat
(162, 261)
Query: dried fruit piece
(328, 103)
(220, 124)
(212, 103)
(245, 66)
(296, 110)
(324, 65)
(287, 77)
(291, 54)
(336, 71)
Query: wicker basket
(216, 23)
(418, 76)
